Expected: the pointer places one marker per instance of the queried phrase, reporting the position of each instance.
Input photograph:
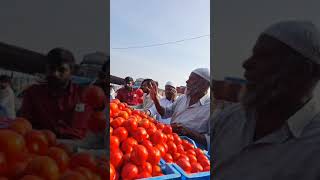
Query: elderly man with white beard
(190, 113)
(274, 133)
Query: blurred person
(170, 97)
(56, 104)
(127, 94)
(102, 82)
(274, 132)
(191, 111)
(7, 97)
(147, 101)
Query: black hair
(146, 80)
(5, 78)
(58, 56)
(128, 79)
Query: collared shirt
(7, 99)
(60, 113)
(164, 102)
(292, 152)
(129, 97)
(194, 117)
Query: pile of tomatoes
(138, 142)
(28, 154)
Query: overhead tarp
(21, 60)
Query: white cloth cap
(169, 83)
(203, 72)
(302, 36)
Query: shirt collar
(295, 124)
(303, 117)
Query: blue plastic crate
(169, 173)
(190, 140)
(198, 176)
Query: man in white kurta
(275, 132)
(191, 111)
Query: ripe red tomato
(51, 137)
(204, 162)
(184, 164)
(156, 170)
(183, 156)
(44, 167)
(72, 175)
(206, 168)
(121, 133)
(83, 159)
(113, 107)
(112, 172)
(192, 158)
(191, 151)
(147, 144)
(144, 123)
(180, 148)
(196, 167)
(140, 135)
(21, 126)
(37, 142)
(60, 156)
(154, 155)
(143, 175)
(168, 158)
(129, 111)
(167, 129)
(187, 145)
(116, 158)
(165, 147)
(11, 142)
(157, 137)
(145, 167)
(128, 144)
(161, 149)
(152, 129)
(170, 137)
(123, 114)
(131, 125)
(176, 156)
(86, 172)
(139, 155)
(198, 151)
(160, 126)
(172, 148)
(177, 139)
(129, 171)
(117, 122)
(114, 143)
(136, 112)
(121, 106)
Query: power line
(161, 44)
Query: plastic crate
(169, 173)
(190, 140)
(198, 176)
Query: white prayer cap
(169, 83)
(302, 36)
(203, 72)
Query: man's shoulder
(35, 88)
(230, 113)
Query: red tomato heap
(28, 154)
(138, 142)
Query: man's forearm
(198, 137)
(159, 108)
